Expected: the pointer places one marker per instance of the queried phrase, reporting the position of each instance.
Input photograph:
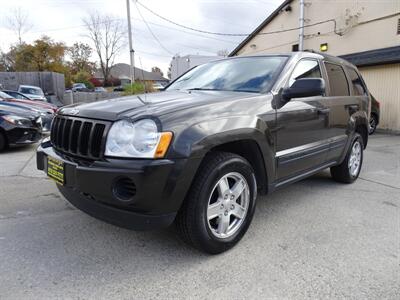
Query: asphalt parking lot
(313, 239)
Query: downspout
(301, 25)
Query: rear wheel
(3, 142)
(373, 123)
(349, 169)
(220, 204)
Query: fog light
(124, 189)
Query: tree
(19, 22)
(157, 70)
(80, 54)
(43, 55)
(83, 77)
(169, 72)
(223, 52)
(107, 36)
(6, 62)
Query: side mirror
(304, 87)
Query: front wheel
(350, 168)
(220, 204)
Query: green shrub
(83, 77)
(132, 89)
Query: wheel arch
(250, 150)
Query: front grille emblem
(74, 111)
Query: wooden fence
(51, 83)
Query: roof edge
(260, 27)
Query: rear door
(343, 100)
(301, 140)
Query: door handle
(323, 111)
(352, 108)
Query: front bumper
(23, 136)
(159, 188)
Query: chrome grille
(78, 136)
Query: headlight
(17, 120)
(139, 139)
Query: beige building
(365, 32)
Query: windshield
(245, 74)
(5, 96)
(31, 91)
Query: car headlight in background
(139, 139)
(17, 120)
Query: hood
(155, 104)
(12, 109)
(32, 96)
(34, 105)
(44, 105)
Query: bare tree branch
(107, 36)
(19, 22)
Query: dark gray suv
(198, 153)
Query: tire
(373, 123)
(220, 204)
(349, 169)
(3, 142)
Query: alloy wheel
(228, 205)
(355, 159)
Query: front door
(301, 138)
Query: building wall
(363, 25)
(384, 83)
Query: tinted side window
(337, 80)
(358, 86)
(305, 69)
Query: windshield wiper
(201, 89)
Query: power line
(187, 27)
(152, 33)
(233, 34)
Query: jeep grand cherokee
(198, 153)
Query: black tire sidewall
(372, 130)
(238, 165)
(3, 142)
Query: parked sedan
(17, 95)
(45, 114)
(100, 89)
(18, 126)
(40, 104)
(33, 92)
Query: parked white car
(100, 89)
(32, 92)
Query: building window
(295, 48)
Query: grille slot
(79, 137)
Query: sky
(62, 21)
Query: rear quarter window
(337, 80)
(356, 82)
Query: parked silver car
(32, 92)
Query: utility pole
(131, 51)
(301, 30)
